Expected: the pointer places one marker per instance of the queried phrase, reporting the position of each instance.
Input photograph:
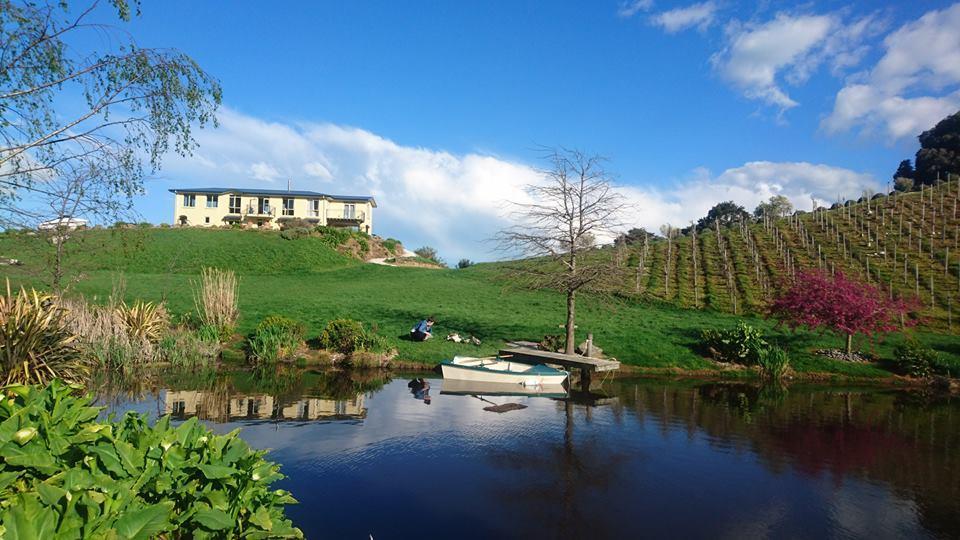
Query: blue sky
(438, 108)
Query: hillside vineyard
(906, 243)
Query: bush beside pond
(276, 338)
(65, 473)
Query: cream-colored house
(212, 207)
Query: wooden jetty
(587, 365)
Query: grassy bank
(311, 283)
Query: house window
(349, 211)
(263, 204)
(189, 200)
(287, 206)
(212, 201)
(234, 204)
(315, 208)
(206, 219)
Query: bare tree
(574, 205)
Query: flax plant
(36, 344)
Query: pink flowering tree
(819, 301)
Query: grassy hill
(310, 281)
(908, 243)
(178, 251)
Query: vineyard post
(916, 271)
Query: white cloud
(755, 55)
(747, 185)
(456, 202)
(263, 171)
(914, 84)
(425, 196)
(699, 15)
(760, 58)
(629, 8)
(317, 170)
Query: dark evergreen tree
(939, 152)
(726, 213)
(905, 170)
(635, 236)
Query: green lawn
(391, 300)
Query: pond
(369, 455)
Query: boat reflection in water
(226, 407)
(460, 387)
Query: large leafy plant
(742, 344)
(66, 474)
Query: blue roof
(275, 193)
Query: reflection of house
(269, 208)
(221, 407)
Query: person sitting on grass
(422, 331)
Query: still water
(367, 454)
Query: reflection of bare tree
(568, 473)
(115, 388)
(908, 440)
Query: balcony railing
(266, 211)
(340, 215)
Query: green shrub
(916, 360)
(294, 233)
(296, 223)
(428, 253)
(332, 236)
(364, 245)
(390, 244)
(184, 348)
(65, 474)
(740, 345)
(276, 338)
(774, 363)
(347, 335)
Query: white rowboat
(497, 370)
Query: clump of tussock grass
(104, 335)
(215, 298)
(774, 363)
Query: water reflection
(233, 407)
(635, 458)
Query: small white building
(66, 222)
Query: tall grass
(215, 299)
(36, 344)
(774, 363)
(116, 335)
(103, 335)
(276, 338)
